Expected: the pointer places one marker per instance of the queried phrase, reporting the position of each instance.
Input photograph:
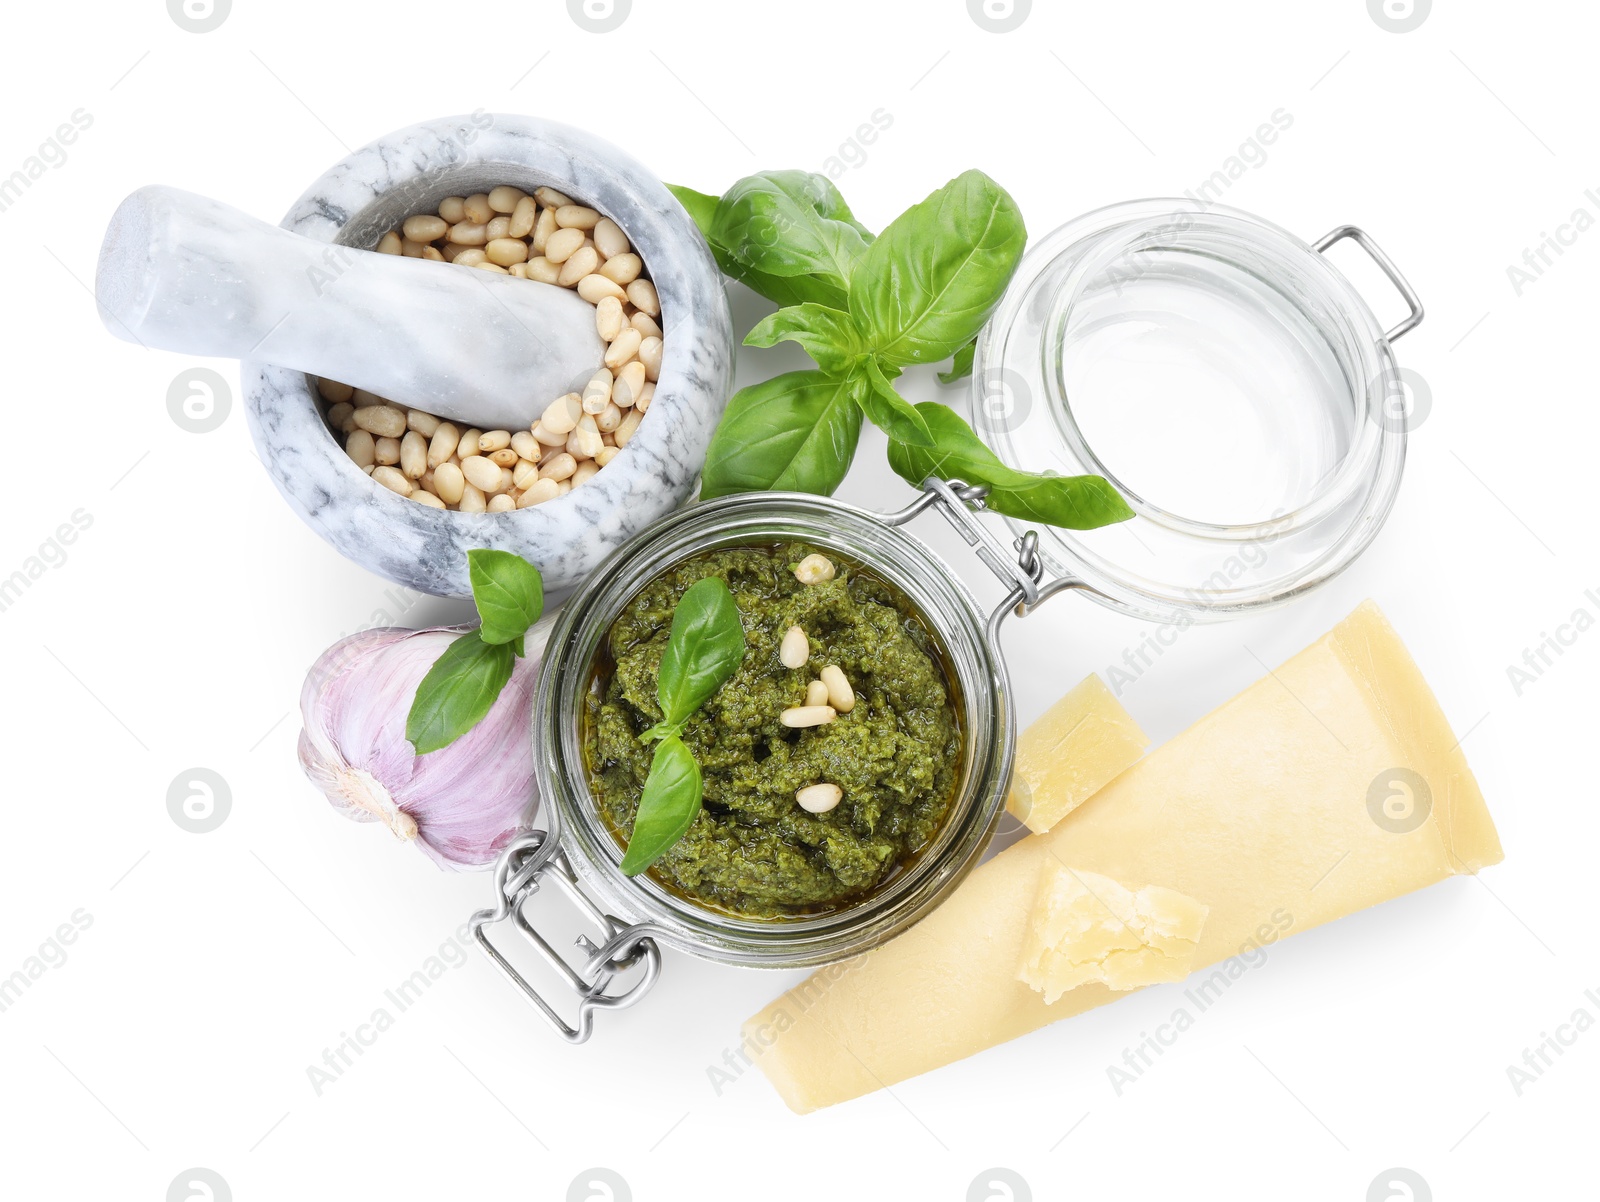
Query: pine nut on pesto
(753, 850)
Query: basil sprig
(864, 309)
(704, 647)
(466, 679)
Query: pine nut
(650, 356)
(523, 217)
(505, 198)
(524, 444)
(583, 262)
(585, 471)
(576, 217)
(501, 503)
(608, 419)
(498, 227)
(643, 295)
(559, 468)
(389, 244)
(424, 424)
(563, 244)
(493, 440)
(538, 493)
(505, 457)
(453, 209)
(807, 715)
(542, 229)
(471, 500)
(795, 649)
(609, 239)
(423, 228)
(391, 479)
(477, 209)
(491, 267)
(445, 440)
(630, 382)
(334, 392)
(520, 270)
(629, 426)
(646, 395)
(623, 268)
(595, 287)
(448, 482)
(814, 569)
(524, 473)
(623, 348)
(840, 695)
(384, 421)
(469, 233)
(423, 497)
(362, 448)
(550, 198)
(451, 250)
(543, 270)
(819, 799)
(413, 455)
(607, 454)
(816, 693)
(585, 443)
(506, 251)
(470, 257)
(646, 325)
(546, 438)
(340, 414)
(597, 392)
(481, 473)
(608, 316)
(431, 253)
(506, 483)
(562, 414)
(410, 249)
(469, 442)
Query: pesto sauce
(896, 755)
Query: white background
(218, 967)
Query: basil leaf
(930, 281)
(827, 335)
(667, 807)
(796, 432)
(457, 692)
(699, 205)
(1071, 502)
(508, 591)
(961, 367)
(888, 410)
(704, 648)
(789, 223)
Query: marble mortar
(410, 171)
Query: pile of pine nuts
(545, 237)
(826, 698)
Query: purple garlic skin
(461, 804)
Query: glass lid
(1224, 376)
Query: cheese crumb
(1086, 927)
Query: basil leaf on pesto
(668, 806)
(704, 648)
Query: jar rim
(949, 612)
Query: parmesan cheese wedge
(1071, 753)
(1330, 786)
(1087, 927)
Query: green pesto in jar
(752, 850)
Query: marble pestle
(181, 272)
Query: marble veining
(411, 170)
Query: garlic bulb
(461, 804)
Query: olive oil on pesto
(752, 850)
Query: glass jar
(1225, 377)
(579, 853)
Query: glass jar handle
(527, 862)
(1020, 569)
(1365, 242)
